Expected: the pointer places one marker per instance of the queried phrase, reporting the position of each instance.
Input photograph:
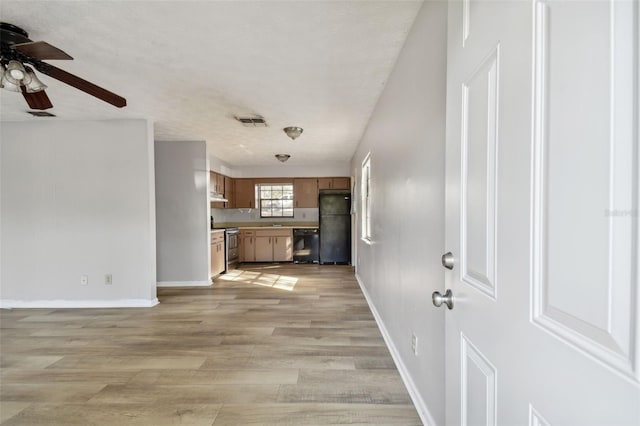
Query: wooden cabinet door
(341, 183)
(247, 249)
(216, 185)
(215, 263)
(216, 182)
(325, 183)
(283, 248)
(305, 193)
(245, 192)
(334, 183)
(229, 192)
(220, 183)
(264, 249)
(217, 254)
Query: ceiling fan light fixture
(16, 74)
(8, 85)
(282, 157)
(293, 132)
(35, 85)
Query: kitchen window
(276, 199)
(366, 198)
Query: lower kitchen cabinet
(283, 248)
(247, 246)
(270, 245)
(217, 253)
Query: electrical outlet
(108, 279)
(84, 279)
(414, 344)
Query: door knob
(438, 299)
(447, 260)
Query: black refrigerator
(335, 227)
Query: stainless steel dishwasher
(306, 242)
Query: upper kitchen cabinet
(245, 194)
(229, 192)
(305, 193)
(216, 183)
(334, 183)
(217, 188)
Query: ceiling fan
(17, 50)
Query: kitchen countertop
(265, 224)
(278, 227)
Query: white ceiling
(191, 66)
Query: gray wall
(77, 199)
(182, 213)
(401, 267)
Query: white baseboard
(421, 406)
(62, 304)
(183, 283)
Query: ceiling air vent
(41, 113)
(252, 121)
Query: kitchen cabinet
(247, 246)
(305, 193)
(264, 249)
(283, 248)
(245, 193)
(217, 186)
(229, 187)
(334, 183)
(217, 253)
(216, 182)
(274, 245)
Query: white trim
(183, 283)
(421, 406)
(60, 304)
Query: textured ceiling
(191, 66)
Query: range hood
(217, 197)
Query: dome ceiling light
(293, 132)
(282, 157)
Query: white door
(542, 213)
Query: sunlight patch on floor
(281, 282)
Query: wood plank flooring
(265, 345)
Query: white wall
(77, 198)
(401, 268)
(182, 213)
(289, 170)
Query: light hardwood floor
(266, 345)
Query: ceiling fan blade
(41, 50)
(37, 100)
(81, 84)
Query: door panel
(264, 249)
(584, 201)
(478, 386)
(542, 205)
(479, 143)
